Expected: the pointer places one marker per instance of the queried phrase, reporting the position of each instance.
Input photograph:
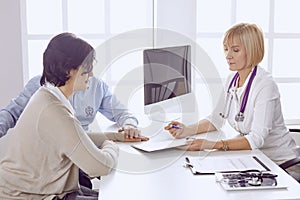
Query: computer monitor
(167, 75)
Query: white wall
(177, 16)
(11, 75)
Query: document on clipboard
(211, 165)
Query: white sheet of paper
(217, 164)
(152, 145)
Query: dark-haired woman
(48, 144)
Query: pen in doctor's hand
(175, 126)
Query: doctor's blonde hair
(251, 36)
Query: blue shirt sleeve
(98, 98)
(11, 113)
(114, 110)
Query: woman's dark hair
(64, 53)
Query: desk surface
(161, 175)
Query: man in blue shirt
(96, 98)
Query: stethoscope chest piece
(255, 181)
(239, 117)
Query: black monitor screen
(167, 73)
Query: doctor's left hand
(197, 145)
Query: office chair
(296, 136)
(156, 92)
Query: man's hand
(130, 131)
(132, 134)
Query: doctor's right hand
(177, 129)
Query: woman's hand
(136, 139)
(179, 130)
(197, 145)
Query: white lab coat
(263, 124)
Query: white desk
(160, 175)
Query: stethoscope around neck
(240, 115)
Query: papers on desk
(237, 173)
(248, 181)
(152, 145)
(216, 164)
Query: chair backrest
(155, 92)
(296, 137)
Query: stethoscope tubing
(233, 82)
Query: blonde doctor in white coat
(252, 106)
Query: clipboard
(212, 165)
